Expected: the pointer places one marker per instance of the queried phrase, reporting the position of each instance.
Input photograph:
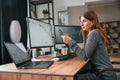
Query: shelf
(37, 2)
(114, 35)
(48, 7)
(37, 7)
(112, 30)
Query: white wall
(61, 5)
(74, 13)
(108, 12)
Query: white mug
(64, 50)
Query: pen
(61, 32)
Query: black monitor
(39, 33)
(73, 30)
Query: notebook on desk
(21, 58)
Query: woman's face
(86, 24)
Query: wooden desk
(60, 70)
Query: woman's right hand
(66, 38)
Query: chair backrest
(117, 70)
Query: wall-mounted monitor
(40, 33)
(73, 30)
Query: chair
(117, 70)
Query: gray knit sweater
(95, 50)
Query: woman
(95, 42)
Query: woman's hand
(66, 38)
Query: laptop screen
(17, 52)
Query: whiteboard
(40, 33)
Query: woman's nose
(81, 24)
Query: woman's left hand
(66, 38)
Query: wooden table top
(58, 68)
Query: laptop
(21, 58)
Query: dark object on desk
(22, 59)
(65, 57)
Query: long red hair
(91, 15)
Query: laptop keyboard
(34, 63)
(39, 64)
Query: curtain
(11, 10)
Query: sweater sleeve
(90, 46)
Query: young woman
(95, 42)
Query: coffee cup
(64, 50)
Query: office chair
(117, 70)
